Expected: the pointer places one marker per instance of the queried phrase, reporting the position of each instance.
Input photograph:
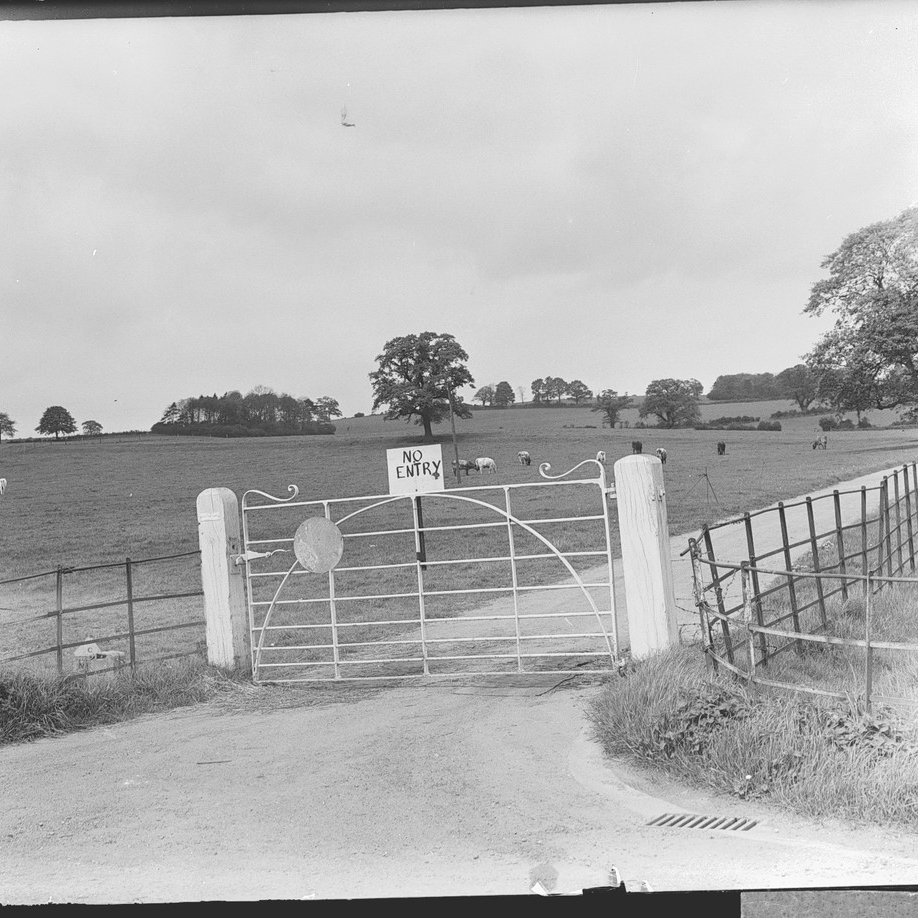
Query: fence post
(865, 563)
(908, 518)
(898, 521)
(756, 595)
(59, 608)
(788, 563)
(840, 543)
(646, 561)
(130, 610)
(814, 549)
(718, 594)
(887, 530)
(868, 664)
(748, 617)
(224, 596)
(707, 636)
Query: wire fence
(750, 612)
(137, 622)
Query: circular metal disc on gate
(318, 545)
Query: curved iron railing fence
(787, 591)
(139, 617)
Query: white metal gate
(486, 579)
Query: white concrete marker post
(224, 596)
(646, 561)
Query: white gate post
(224, 596)
(646, 561)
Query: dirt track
(461, 788)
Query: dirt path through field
(471, 787)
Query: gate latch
(252, 555)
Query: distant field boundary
(129, 600)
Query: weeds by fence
(751, 613)
(139, 581)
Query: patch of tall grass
(821, 758)
(34, 706)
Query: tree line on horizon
(261, 412)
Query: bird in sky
(344, 121)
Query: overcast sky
(611, 193)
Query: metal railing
(796, 600)
(128, 601)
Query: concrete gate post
(646, 562)
(224, 595)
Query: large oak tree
(417, 374)
(872, 290)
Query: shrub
(359, 414)
(769, 425)
(828, 424)
(863, 424)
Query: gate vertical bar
(605, 496)
(814, 549)
(420, 568)
(718, 594)
(513, 578)
(59, 607)
(757, 596)
(791, 586)
(332, 608)
(707, 637)
(909, 528)
(130, 611)
(840, 542)
(898, 510)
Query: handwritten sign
(415, 470)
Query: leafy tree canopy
(485, 395)
(91, 428)
(579, 391)
(611, 404)
(416, 375)
(872, 290)
(673, 401)
(7, 425)
(56, 420)
(503, 395)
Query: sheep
(485, 462)
(637, 446)
(601, 456)
(661, 455)
(721, 448)
(465, 465)
(525, 458)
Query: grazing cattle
(661, 455)
(465, 465)
(485, 462)
(821, 442)
(525, 458)
(721, 448)
(2, 485)
(601, 456)
(637, 446)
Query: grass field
(85, 502)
